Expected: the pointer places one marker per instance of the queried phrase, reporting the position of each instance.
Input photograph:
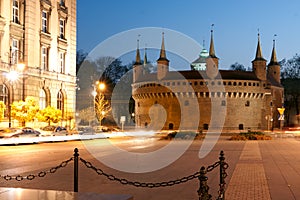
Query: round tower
(273, 66)
(259, 63)
(162, 62)
(212, 61)
(137, 66)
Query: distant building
(251, 98)
(200, 63)
(40, 34)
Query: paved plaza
(257, 170)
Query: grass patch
(251, 135)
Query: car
(26, 132)
(7, 132)
(85, 130)
(60, 130)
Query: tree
(290, 79)
(237, 67)
(80, 57)
(87, 114)
(102, 107)
(24, 111)
(50, 114)
(290, 68)
(2, 109)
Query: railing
(203, 191)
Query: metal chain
(40, 174)
(139, 184)
(213, 166)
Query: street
(31, 159)
(275, 154)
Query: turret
(162, 62)
(212, 61)
(259, 63)
(137, 66)
(273, 66)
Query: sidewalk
(248, 180)
(267, 170)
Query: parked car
(85, 130)
(59, 130)
(7, 132)
(26, 132)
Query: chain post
(76, 155)
(203, 188)
(222, 176)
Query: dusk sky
(236, 24)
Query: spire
(212, 53)
(137, 57)
(258, 55)
(162, 55)
(145, 56)
(273, 56)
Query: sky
(236, 26)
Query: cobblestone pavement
(248, 180)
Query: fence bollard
(203, 188)
(76, 155)
(222, 176)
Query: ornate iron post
(76, 155)
(203, 188)
(223, 175)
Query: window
(60, 101)
(186, 102)
(15, 12)
(61, 62)
(62, 29)
(223, 103)
(44, 21)
(62, 3)
(4, 96)
(247, 104)
(44, 58)
(14, 51)
(42, 101)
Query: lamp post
(13, 76)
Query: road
(34, 158)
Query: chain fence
(203, 191)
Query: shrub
(251, 136)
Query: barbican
(206, 97)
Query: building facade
(40, 34)
(195, 99)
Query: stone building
(206, 97)
(40, 34)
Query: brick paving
(248, 180)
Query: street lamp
(13, 76)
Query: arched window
(4, 97)
(42, 101)
(60, 101)
(4, 94)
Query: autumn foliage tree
(24, 111)
(50, 114)
(2, 109)
(102, 107)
